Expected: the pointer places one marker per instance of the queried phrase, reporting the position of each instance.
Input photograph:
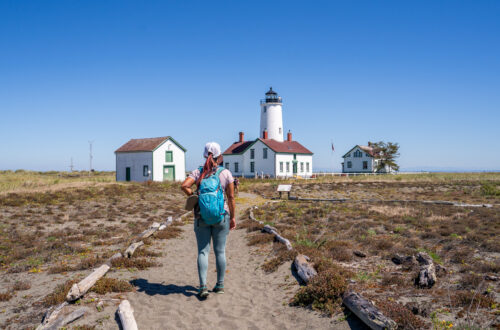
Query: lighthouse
(271, 117)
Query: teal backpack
(211, 198)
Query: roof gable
(147, 144)
(366, 149)
(292, 147)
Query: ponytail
(209, 166)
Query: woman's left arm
(186, 186)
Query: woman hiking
(214, 214)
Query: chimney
(265, 135)
(242, 137)
(289, 136)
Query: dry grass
(6, 296)
(168, 233)
(108, 284)
(58, 295)
(138, 263)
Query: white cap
(212, 147)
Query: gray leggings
(204, 233)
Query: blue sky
(425, 74)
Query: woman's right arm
(186, 186)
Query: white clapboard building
(362, 159)
(156, 159)
(269, 155)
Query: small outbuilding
(363, 159)
(155, 159)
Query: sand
(166, 296)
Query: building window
(236, 169)
(252, 167)
(302, 167)
(227, 166)
(349, 164)
(264, 153)
(365, 165)
(288, 167)
(307, 167)
(169, 157)
(294, 156)
(281, 167)
(358, 154)
(145, 170)
(252, 153)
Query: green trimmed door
(127, 173)
(168, 173)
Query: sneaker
(203, 292)
(218, 289)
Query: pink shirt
(225, 177)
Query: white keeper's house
(362, 159)
(269, 155)
(156, 159)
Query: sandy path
(166, 296)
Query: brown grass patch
(260, 238)
(401, 315)
(108, 284)
(282, 255)
(21, 286)
(139, 263)
(168, 233)
(324, 291)
(472, 299)
(6, 296)
(58, 295)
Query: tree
(386, 153)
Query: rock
(359, 253)
(420, 308)
(426, 277)
(491, 278)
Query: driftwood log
(131, 249)
(427, 274)
(166, 224)
(126, 314)
(150, 231)
(81, 288)
(320, 199)
(252, 217)
(51, 314)
(279, 238)
(367, 312)
(304, 269)
(66, 319)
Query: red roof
(292, 147)
(148, 144)
(368, 150)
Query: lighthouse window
(265, 108)
(280, 130)
(264, 151)
(252, 153)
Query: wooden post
(367, 312)
(131, 249)
(126, 314)
(304, 269)
(80, 288)
(271, 230)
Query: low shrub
(324, 291)
(107, 284)
(404, 318)
(472, 299)
(168, 233)
(21, 286)
(139, 263)
(58, 295)
(260, 238)
(6, 296)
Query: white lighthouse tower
(271, 118)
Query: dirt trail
(166, 296)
